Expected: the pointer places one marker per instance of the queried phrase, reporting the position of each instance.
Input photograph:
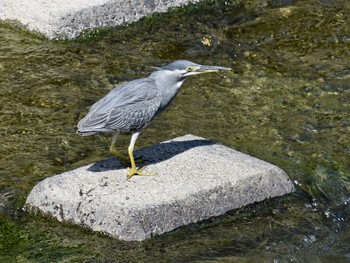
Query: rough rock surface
(195, 179)
(68, 18)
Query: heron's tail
(85, 133)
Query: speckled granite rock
(58, 19)
(195, 179)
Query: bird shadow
(152, 154)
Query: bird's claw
(134, 171)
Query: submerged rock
(195, 179)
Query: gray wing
(129, 107)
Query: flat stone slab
(195, 179)
(66, 19)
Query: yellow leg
(125, 159)
(133, 170)
(114, 151)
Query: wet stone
(67, 19)
(195, 179)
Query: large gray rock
(68, 18)
(195, 179)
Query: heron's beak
(200, 69)
(209, 69)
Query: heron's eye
(189, 69)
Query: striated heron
(131, 106)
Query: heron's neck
(169, 87)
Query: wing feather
(128, 107)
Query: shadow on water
(152, 154)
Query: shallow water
(287, 101)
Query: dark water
(287, 101)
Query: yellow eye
(189, 69)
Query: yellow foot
(134, 171)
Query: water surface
(287, 101)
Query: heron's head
(170, 77)
(182, 69)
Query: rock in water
(67, 19)
(195, 179)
